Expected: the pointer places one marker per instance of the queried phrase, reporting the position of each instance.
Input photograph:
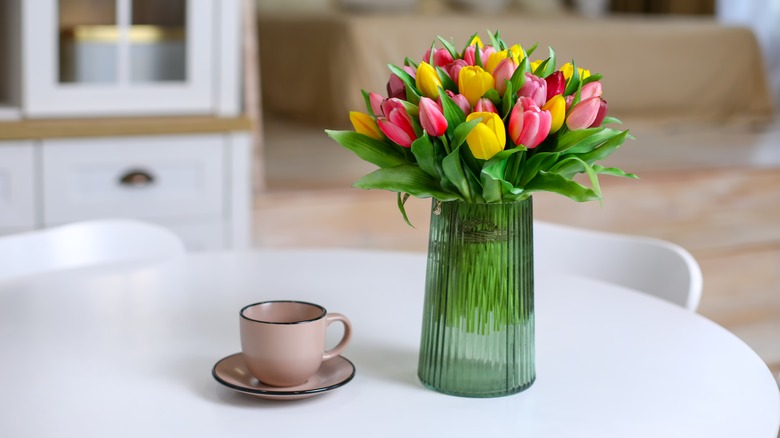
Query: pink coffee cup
(283, 342)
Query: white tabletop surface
(128, 351)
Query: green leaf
(478, 58)
(446, 81)
(452, 112)
(597, 140)
(491, 189)
(614, 171)
(412, 93)
(592, 78)
(518, 77)
(367, 99)
(538, 162)
(409, 62)
(472, 164)
(494, 41)
(552, 182)
(401, 201)
(610, 119)
(462, 131)
(374, 151)
(569, 139)
(423, 151)
(574, 81)
(406, 178)
(510, 97)
(493, 96)
(605, 149)
(430, 53)
(547, 67)
(453, 170)
(450, 48)
(530, 51)
(475, 34)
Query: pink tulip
(396, 87)
(469, 55)
(591, 89)
(431, 117)
(455, 69)
(569, 100)
(503, 72)
(396, 123)
(535, 88)
(376, 103)
(528, 125)
(556, 84)
(484, 105)
(459, 100)
(583, 114)
(601, 114)
(441, 57)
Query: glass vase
(478, 320)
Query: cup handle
(335, 351)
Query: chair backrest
(84, 244)
(649, 265)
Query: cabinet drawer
(142, 177)
(17, 184)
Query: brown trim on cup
(324, 312)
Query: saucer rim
(281, 393)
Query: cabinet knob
(136, 178)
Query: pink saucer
(231, 372)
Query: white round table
(128, 351)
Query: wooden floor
(714, 189)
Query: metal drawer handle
(136, 178)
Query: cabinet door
(17, 184)
(177, 178)
(117, 57)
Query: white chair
(85, 244)
(653, 266)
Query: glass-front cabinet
(118, 57)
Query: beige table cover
(313, 67)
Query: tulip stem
(446, 144)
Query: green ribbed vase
(478, 320)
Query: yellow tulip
(427, 80)
(557, 108)
(474, 82)
(517, 53)
(487, 138)
(568, 71)
(365, 124)
(536, 64)
(476, 41)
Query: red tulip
(396, 123)
(441, 57)
(601, 114)
(528, 125)
(556, 84)
(431, 117)
(396, 87)
(376, 103)
(535, 88)
(583, 114)
(484, 105)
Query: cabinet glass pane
(157, 41)
(88, 40)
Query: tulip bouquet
(484, 125)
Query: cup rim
(303, 321)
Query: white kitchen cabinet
(196, 185)
(129, 57)
(17, 185)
